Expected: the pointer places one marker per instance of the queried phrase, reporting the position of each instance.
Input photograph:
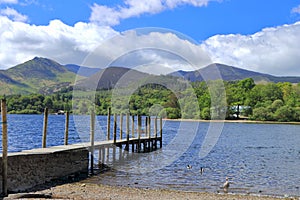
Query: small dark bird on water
(189, 166)
(201, 170)
(226, 185)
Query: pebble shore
(80, 190)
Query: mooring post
(92, 139)
(146, 126)
(149, 127)
(127, 132)
(44, 142)
(67, 128)
(161, 132)
(121, 126)
(115, 128)
(150, 143)
(139, 132)
(108, 123)
(155, 132)
(4, 146)
(132, 126)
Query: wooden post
(67, 128)
(92, 139)
(146, 126)
(160, 132)
(127, 132)
(44, 142)
(4, 147)
(121, 126)
(139, 132)
(155, 132)
(108, 123)
(149, 127)
(115, 128)
(132, 126)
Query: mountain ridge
(44, 75)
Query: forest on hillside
(243, 98)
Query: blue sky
(250, 34)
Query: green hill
(37, 75)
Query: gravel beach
(81, 190)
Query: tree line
(204, 100)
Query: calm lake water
(258, 158)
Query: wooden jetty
(23, 170)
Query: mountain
(43, 75)
(110, 77)
(37, 75)
(82, 71)
(230, 73)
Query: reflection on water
(258, 158)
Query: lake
(257, 158)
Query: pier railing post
(44, 141)
(92, 139)
(132, 126)
(67, 128)
(108, 123)
(139, 132)
(127, 132)
(155, 127)
(4, 147)
(115, 128)
(149, 127)
(121, 126)
(160, 130)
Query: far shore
(234, 121)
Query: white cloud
(296, 10)
(8, 1)
(272, 50)
(20, 42)
(142, 48)
(13, 14)
(111, 16)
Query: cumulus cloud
(8, 1)
(296, 10)
(144, 48)
(111, 16)
(20, 42)
(13, 14)
(272, 50)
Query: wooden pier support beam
(161, 130)
(115, 128)
(127, 132)
(121, 126)
(44, 140)
(4, 146)
(67, 128)
(139, 132)
(92, 139)
(108, 123)
(155, 132)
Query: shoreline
(83, 190)
(234, 121)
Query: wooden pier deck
(23, 170)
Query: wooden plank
(4, 146)
(44, 140)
